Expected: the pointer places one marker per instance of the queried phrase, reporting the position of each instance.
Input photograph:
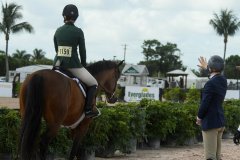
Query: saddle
(82, 87)
(68, 74)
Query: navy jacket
(211, 110)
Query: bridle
(106, 91)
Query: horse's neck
(99, 77)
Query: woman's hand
(198, 121)
(203, 63)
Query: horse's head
(107, 77)
(111, 83)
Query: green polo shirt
(67, 39)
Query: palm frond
(22, 26)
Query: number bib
(64, 51)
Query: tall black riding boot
(91, 94)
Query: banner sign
(137, 93)
(5, 89)
(232, 94)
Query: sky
(110, 24)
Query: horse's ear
(103, 59)
(120, 63)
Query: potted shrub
(186, 130)
(193, 96)
(9, 131)
(109, 132)
(118, 134)
(175, 94)
(137, 124)
(97, 136)
(159, 122)
(232, 118)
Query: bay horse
(59, 101)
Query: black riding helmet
(216, 63)
(70, 11)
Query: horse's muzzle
(112, 100)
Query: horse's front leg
(75, 148)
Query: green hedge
(119, 124)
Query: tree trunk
(224, 55)
(225, 48)
(6, 61)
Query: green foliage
(99, 130)
(115, 128)
(16, 88)
(230, 70)
(137, 119)
(119, 124)
(159, 122)
(9, 130)
(225, 24)
(2, 65)
(160, 58)
(193, 95)
(175, 94)
(232, 112)
(184, 116)
(111, 129)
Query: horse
(58, 100)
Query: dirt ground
(12, 103)
(230, 151)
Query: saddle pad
(76, 80)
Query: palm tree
(22, 55)
(226, 24)
(11, 13)
(38, 54)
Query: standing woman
(67, 39)
(211, 113)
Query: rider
(67, 39)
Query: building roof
(177, 72)
(33, 68)
(135, 70)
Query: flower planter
(133, 145)
(107, 152)
(227, 135)
(89, 155)
(191, 141)
(154, 143)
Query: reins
(111, 93)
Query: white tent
(190, 73)
(192, 79)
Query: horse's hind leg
(78, 135)
(46, 137)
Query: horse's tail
(31, 122)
